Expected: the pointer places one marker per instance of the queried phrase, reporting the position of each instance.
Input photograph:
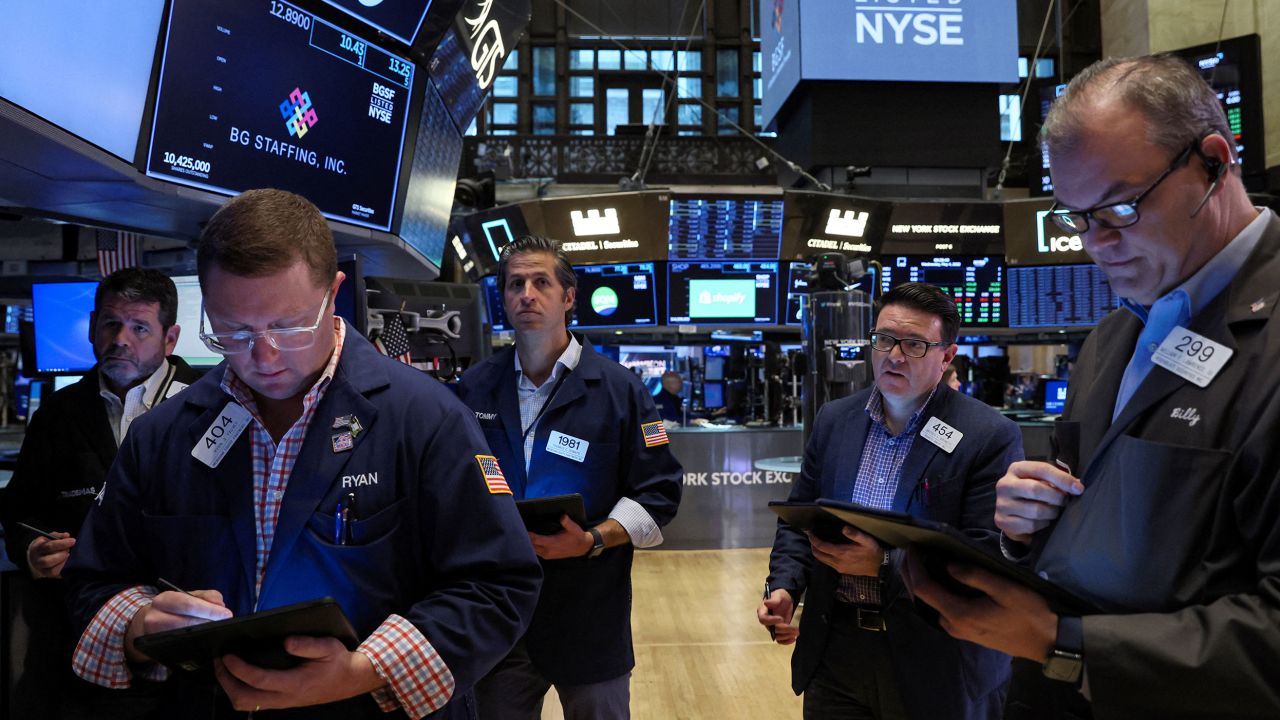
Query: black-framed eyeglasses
(1122, 214)
(283, 339)
(911, 347)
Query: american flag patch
(493, 476)
(655, 433)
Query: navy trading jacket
(581, 631)
(937, 675)
(432, 543)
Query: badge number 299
(941, 434)
(1192, 356)
(221, 435)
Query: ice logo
(604, 301)
(299, 116)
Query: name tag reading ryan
(221, 435)
(1191, 356)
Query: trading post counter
(730, 475)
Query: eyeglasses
(283, 339)
(911, 347)
(1122, 214)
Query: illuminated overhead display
(255, 94)
(725, 227)
(976, 283)
(610, 228)
(817, 223)
(1059, 296)
(731, 293)
(616, 296)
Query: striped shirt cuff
(100, 657)
(638, 523)
(418, 680)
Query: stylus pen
(172, 587)
(42, 533)
(773, 632)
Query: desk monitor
(493, 304)
(975, 282)
(62, 345)
(714, 368)
(1055, 396)
(623, 295)
(712, 395)
(713, 293)
(190, 347)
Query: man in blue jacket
(909, 444)
(231, 491)
(562, 419)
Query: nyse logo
(1054, 244)
(595, 223)
(847, 223)
(878, 21)
(487, 50)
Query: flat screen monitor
(1055, 397)
(826, 222)
(725, 227)
(712, 395)
(255, 94)
(401, 20)
(624, 295)
(975, 282)
(972, 228)
(797, 289)
(714, 369)
(609, 228)
(1233, 69)
(190, 347)
(493, 303)
(62, 327)
(1059, 296)
(731, 293)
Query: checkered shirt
(879, 473)
(418, 680)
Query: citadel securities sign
(916, 40)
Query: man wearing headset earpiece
(1165, 512)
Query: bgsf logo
(299, 116)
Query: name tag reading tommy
(221, 435)
(1192, 356)
(941, 434)
(567, 446)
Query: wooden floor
(699, 651)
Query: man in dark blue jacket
(233, 491)
(562, 419)
(909, 444)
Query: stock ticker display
(976, 283)
(1059, 296)
(622, 295)
(729, 293)
(725, 228)
(264, 93)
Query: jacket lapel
(922, 452)
(318, 466)
(94, 422)
(509, 411)
(848, 452)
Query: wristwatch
(1065, 662)
(597, 544)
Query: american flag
(493, 476)
(655, 434)
(116, 250)
(394, 341)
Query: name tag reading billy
(1192, 356)
(941, 434)
(567, 446)
(221, 435)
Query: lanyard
(554, 388)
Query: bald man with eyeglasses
(909, 444)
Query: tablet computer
(811, 517)
(940, 543)
(257, 638)
(542, 515)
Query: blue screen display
(712, 395)
(62, 326)
(622, 295)
(1055, 397)
(493, 301)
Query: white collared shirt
(138, 400)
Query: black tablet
(941, 543)
(257, 638)
(542, 515)
(808, 516)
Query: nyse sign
(936, 22)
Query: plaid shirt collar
(875, 411)
(238, 390)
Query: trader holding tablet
(562, 419)
(306, 465)
(910, 444)
(1169, 521)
